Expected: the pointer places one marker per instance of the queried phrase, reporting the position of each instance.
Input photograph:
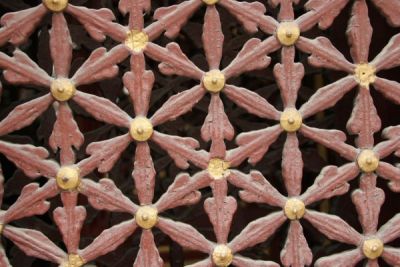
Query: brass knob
(68, 178)
(294, 209)
(136, 40)
(372, 248)
(56, 5)
(291, 120)
(146, 217)
(141, 129)
(62, 89)
(210, 2)
(367, 161)
(214, 81)
(288, 32)
(222, 256)
(218, 168)
(365, 74)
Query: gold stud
(141, 129)
(56, 5)
(68, 178)
(62, 89)
(136, 40)
(74, 260)
(291, 120)
(294, 209)
(372, 248)
(214, 81)
(146, 217)
(365, 74)
(218, 168)
(367, 161)
(222, 256)
(288, 33)
(210, 2)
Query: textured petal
(255, 188)
(185, 235)
(257, 231)
(181, 150)
(390, 9)
(253, 145)
(103, 109)
(144, 173)
(324, 54)
(183, 191)
(139, 83)
(35, 244)
(69, 220)
(173, 61)
(98, 22)
(245, 262)
(104, 154)
(220, 209)
(322, 12)
(289, 75)
(100, 65)
(251, 15)
(32, 160)
(217, 127)
(346, 258)
(251, 102)
(292, 165)
(333, 227)
(18, 26)
(213, 38)
(327, 96)
(177, 105)
(25, 114)
(359, 32)
(148, 254)
(108, 240)
(60, 45)
(253, 56)
(296, 251)
(332, 181)
(368, 201)
(172, 18)
(364, 120)
(66, 135)
(104, 195)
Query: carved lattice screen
(163, 131)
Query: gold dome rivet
(136, 40)
(372, 248)
(294, 209)
(74, 260)
(146, 217)
(288, 32)
(222, 256)
(56, 5)
(218, 168)
(214, 81)
(365, 74)
(141, 129)
(291, 120)
(367, 161)
(62, 89)
(68, 178)
(210, 2)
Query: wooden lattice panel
(218, 166)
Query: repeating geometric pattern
(218, 167)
